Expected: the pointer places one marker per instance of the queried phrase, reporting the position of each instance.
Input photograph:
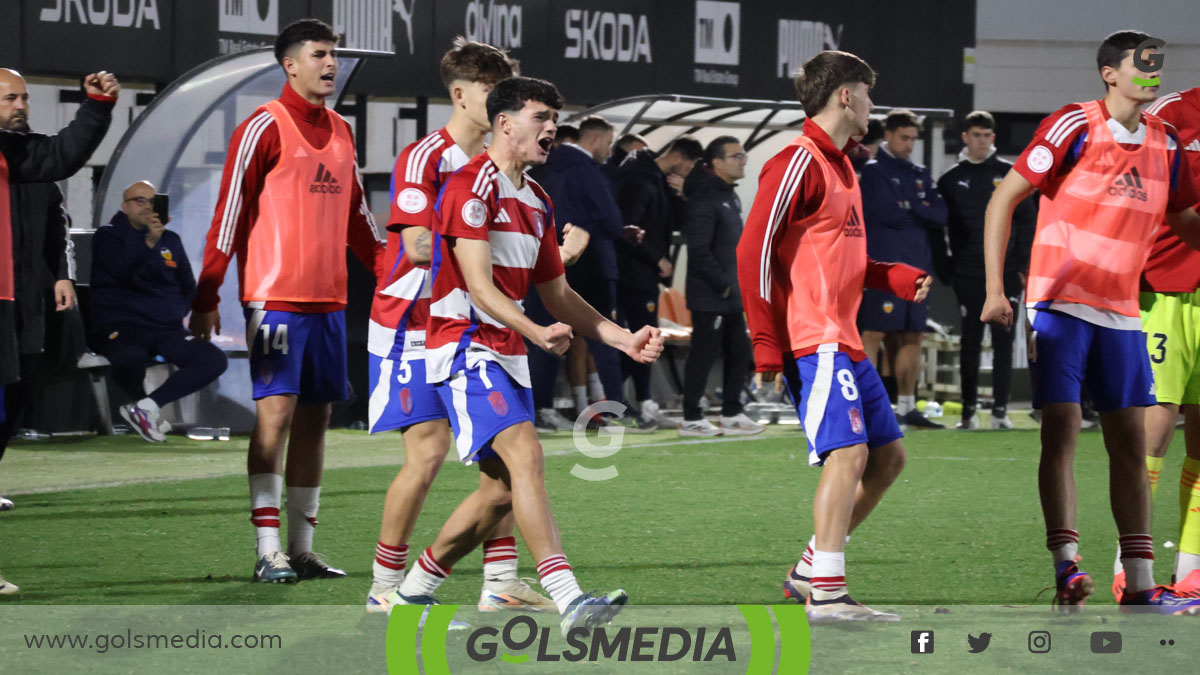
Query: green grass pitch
(713, 522)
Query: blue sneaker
(274, 568)
(398, 598)
(1160, 600)
(1072, 587)
(590, 610)
(796, 587)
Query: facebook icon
(922, 642)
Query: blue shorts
(885, 313)
(295, 353)
(400, 396)
(841, 403)
(482, 402)
(1072, 353)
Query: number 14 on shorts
(280, 340)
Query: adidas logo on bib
(1128, 185)
(325, 182)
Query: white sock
(265, 494)
(500, 559)
(302, 504)
(559, 581)
(581, 398)
(425, 577)
(1117, 567)
(1185, 564)
(595, 389)
(828, 575)
(905, 404)
(1139, 574)
(1137, 557)
(386, 576)
(804, 567)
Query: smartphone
(162, 204)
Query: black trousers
(199, 362)
(637, 308)
(16, 398)
(716, 335)
(971, 295)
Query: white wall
(1038, 55)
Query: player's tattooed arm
(418, 244)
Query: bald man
(42, 255)
(142, 288)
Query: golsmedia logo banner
(445, 639)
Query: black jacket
(42, 255)
(647, 201)
(967, 187)
(34, 158)
(711, 227)
(581, 195)
(135, 286)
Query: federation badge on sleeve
(474, 212)
(411, 200)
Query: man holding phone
(142, 288)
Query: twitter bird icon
(978, 644)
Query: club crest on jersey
(888, 306)
(324, 182)
(406, 402)
(474, 213)
(500, 405)
(856, 423)
(539, 225)
(411, 200)
(168, 257)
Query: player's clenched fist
(556, 338)
(997, 310)
(102, 83)
(647, 345)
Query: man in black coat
(43, 257)
(712, 226)
(26, 158)
(967, 188)
(649, 191)
(142, 288)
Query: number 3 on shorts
(1160, 348)
(849, 388)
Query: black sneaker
(309, 565)
(914, 418)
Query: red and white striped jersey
(480, 202)
(1173, 266)
(401, 305)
